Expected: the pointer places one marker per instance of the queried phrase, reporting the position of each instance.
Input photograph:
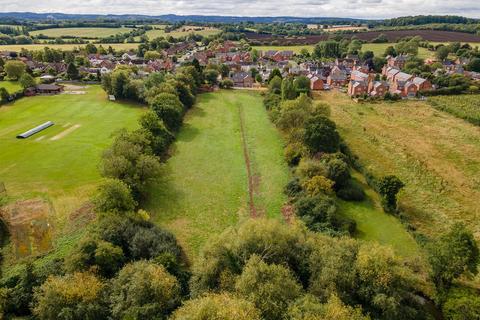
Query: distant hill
(176, 18)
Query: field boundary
(248, 164)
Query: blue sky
(307, 8)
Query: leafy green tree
(144, 290)
(217, 306)
(4, 95)
(390, 51)
(327, 49)
(27, 81)
(275, 73)
(211, 76)
(388, 187)
(152, 55)
(161, 137)
(275, 85)
(72, 71)
(442, 53)
(119, 81)
(474, 65)
(226, 255)
(168, 108)
(453, 255)
(71, 297)
(14, 69)
(130, 160)
(270, 287)
(302, 85)
(102, 256)
(309, 307)
(288, 89)
(321, 135)
(114, 196)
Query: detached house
(397, 62)
(337, 77)
(357, 88)
(316, 83)
(242, 79)
(378, 88)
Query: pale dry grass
(435, 154)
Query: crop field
(40, 46)
(182, 31)
(227, 165)
(434, 153)
(295, 49)
(11, 86)
(50, 175)
(91, 33)
(466, 107)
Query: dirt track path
(248, 164)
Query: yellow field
(182, 32)
(435, 154)
(80, 32)
(18, 47)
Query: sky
(299, 8)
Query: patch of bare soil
(288, 212)
(29, 226)
(65, 132)
(252, 180)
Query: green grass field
(40, 46)
(466, 107)
(59, 164)
(206, 185)
(379, 49)
(375, 225)
(11, 86)
(434, 153)
(91, 33)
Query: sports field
(434, 153)
(57, 167)
(208, 185)
(91, 33)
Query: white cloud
(305, 8)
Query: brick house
(397, 62)
(337, 77)
(357, 88)
(242, 79)
(316, 83)
(378, 88)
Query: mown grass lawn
(435, 154)
(62, 171)
(379, 49)
(205, 188)
(11, 86)
(183, 31)
(87, 32)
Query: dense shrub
(217, 306)
(318, 212)
(270, 287)
(143, 290)
(294, 152)
(321, 135)
(352, 192)
(168, 108)
(293, 188)
(114, 196)
(309, 307)
(462, 304)
(160, 137)
(71, 297)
